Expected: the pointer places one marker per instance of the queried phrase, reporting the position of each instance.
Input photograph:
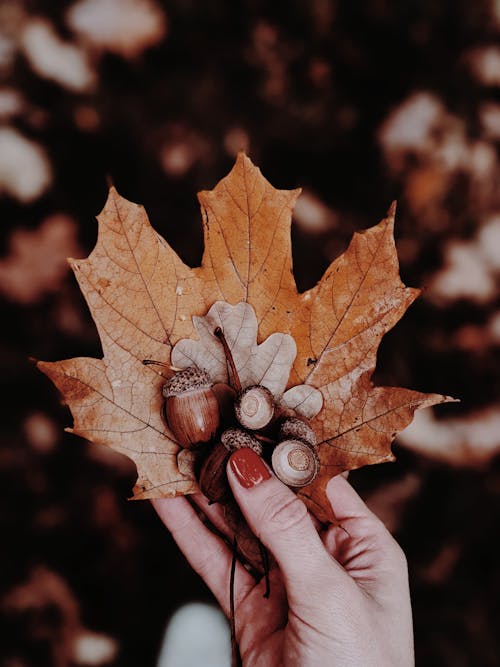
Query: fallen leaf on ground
(321, 345)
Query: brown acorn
(213, 479)
(225, 397)
(235, 438)
(191, 407)
(293, 428)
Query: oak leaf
(267, 364)
(147, 304)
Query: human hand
(338, 596)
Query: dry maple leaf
(145, 301)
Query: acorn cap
(295, 463)
(186, 380)
(293, 428)
(254, 407)
(235, 438)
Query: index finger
(208, 555)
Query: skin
(339, 596)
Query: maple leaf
(321, 345)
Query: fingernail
(248, 468)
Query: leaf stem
(229, 356)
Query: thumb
(280, 520)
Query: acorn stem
(229, 356)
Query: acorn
(225, 396)
(213, 479)
(293, 428)
(295, 463)
(235, 438)
(254, 407)
(191, 407)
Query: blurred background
(359, 103)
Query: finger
(368, 551)
(215, 514)
(280, 520)
(206, 553)
(350, 509)
(360, 541)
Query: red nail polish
(248, 467)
